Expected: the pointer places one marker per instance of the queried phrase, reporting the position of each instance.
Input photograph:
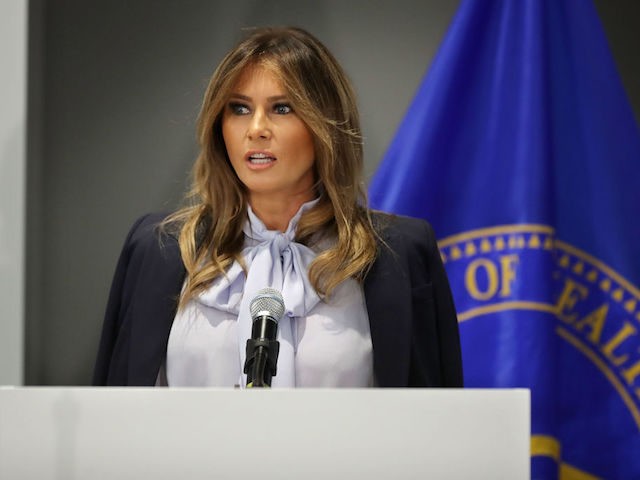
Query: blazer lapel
(154, 309)
(387, 290)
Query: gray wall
(13, 160)
(114, 93)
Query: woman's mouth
(261, 158)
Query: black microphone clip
(261, 363)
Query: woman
(278, 201)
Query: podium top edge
(4, 388)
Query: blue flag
(521, 149)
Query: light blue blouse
(322, 343)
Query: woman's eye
(238, 109)
(282, 109)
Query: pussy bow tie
(275, 260)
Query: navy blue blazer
(414, 329)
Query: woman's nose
(259, 126)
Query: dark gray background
(114, 92)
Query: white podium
(191, 434)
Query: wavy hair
(209, 228)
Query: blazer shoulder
(393, 228)
(147, 233)
(410, 242)
(147, 226)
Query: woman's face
(270, 147)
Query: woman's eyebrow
(274, 98)
(239, 96)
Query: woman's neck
(276, 211)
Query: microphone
(267, 308)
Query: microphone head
(269, 302)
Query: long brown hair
(210, 228)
